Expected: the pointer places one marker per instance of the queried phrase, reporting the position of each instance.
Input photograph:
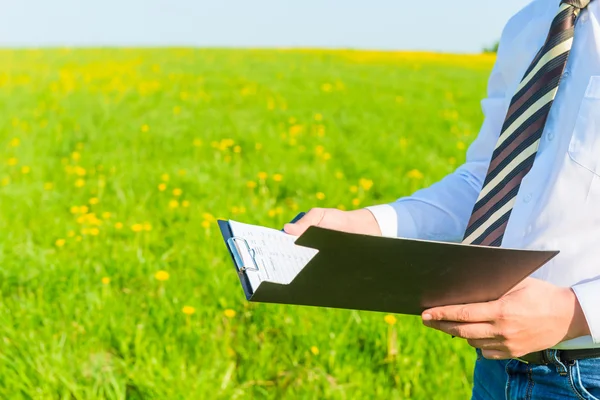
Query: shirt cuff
(394, 221)
(588, 294)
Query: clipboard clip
(239, 261)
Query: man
(531, 180)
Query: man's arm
(439, 212)
(442, 211)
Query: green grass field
(114, 165)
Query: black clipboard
(394, 275)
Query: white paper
(279, 260)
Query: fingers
(478, 312)
(313, 217)
(495, 355)
(480, 331)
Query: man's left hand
(533, 316)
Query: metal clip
(239, 260)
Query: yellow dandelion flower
(173, 204)
(237, 149)
(209, 217)
(366, 184)
(137, 227)
(390, 319)
(48, 186)
(75, 156)
(145, 128)
(314, 350)
(83, 209)
(177, 192)
(229, 313)
(5, 181)
(106, 215)
(188, 310)
(251, 184)
(341, 207)
(461, 145)
(94, 231)
(277, 177)
(295, 130)
(60, 242)
(326, 156)
(71, 234)
(355, 202)
(118, 225)
(181, 172)
(165, 177)
(452, 160)
(78, 239)
(262, 175)
(403, 142)
(94, 200)
(272, 213)
(319, 150)
(318, 117)
(80, 183)
(13, 161)
(353, 189)
(105, 280)
(206, 224)
(162, 187)
(415, 174)
(161, 275)
(74, 210)
(15, 142)
(320, 196)
(197, 142)
(147, 226)
(258, 146)
(80, 171)
(176, 110)
(327, 87)
(85, 231)
(185, 204)
(339, 175)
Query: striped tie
(519, 139)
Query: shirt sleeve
(442, 211)
(588, 294)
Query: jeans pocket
(585, 378)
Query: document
(268, 254)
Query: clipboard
(394, 275)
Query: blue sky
(375, 24)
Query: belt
(546, 357)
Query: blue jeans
(514, 380)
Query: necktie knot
(581, 4)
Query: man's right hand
(357, 221)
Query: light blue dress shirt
(558, 205)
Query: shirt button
(550, 136)
(566, 74)
(528, 198)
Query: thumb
(313, 217)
